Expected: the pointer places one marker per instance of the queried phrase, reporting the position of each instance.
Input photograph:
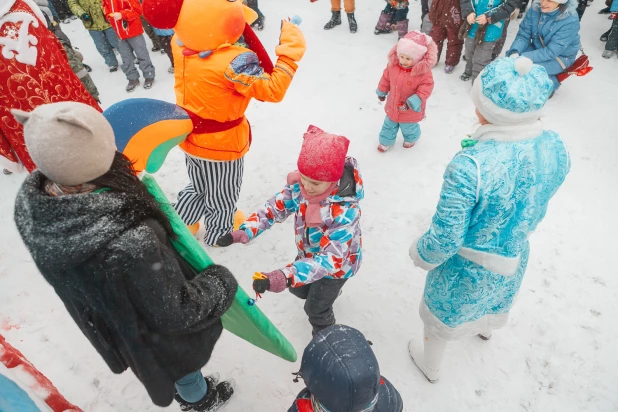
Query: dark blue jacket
(560, 32)
(341, 371)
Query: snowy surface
(560, 350)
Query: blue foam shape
(130, 116)
(14, 398)
(296, 20)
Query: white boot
(430, 360)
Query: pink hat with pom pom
(414, 45)
(322, 156)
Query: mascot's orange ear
(162, 14)
(250, 15)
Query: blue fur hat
(511, 91)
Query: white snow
(560, 349)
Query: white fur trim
(417, 259)
(497, 115)
(494, 263)
(512, 133)
(483, 325)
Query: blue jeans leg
(193, 387)
(388, 134)
(112, 38)
(103, 47)
(411, 131)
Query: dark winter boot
(335, 20)
(132, 85)
(217, 396)
(353, 24)
(384, 24)
(402, 28)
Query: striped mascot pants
(212, 194)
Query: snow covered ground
(560, 350)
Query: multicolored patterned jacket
(331, 251)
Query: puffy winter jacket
(331, 251)
(131, 24)
(343, 375)
(400, 84)
(496, 12)
(560, 32)
(94, 8)
(136, 300)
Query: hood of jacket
(565, 10)
(341, 370)
(426, 64)
(63, 232)
(351, 188)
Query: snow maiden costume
(495, 193)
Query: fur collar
(425, 65)
(64, 232)
(508, 133)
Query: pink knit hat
(322, 156)
(414, 45)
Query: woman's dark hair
(122, 177)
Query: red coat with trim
(131, 24)
(33, 75)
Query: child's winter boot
(384, 24)
(383, 148)
(465, 76)
(217, 396)
(408, 145)
(335, 20)
(402, 28)
(607, 54)
(353, 24)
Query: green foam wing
(243, 320)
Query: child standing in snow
(165, 39)
(323, 195)
(124, 16)
(487, 23)
(406, 85)
(393, 17)
(325, 368)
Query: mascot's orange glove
(291, 42)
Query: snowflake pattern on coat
(493, 197)
(332, 250)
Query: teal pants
(411, 132)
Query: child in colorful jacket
(124, 16)
(406, 85)
(341, 373)
(486, 18)
(324, 197)
(394, 17)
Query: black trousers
(319, 299)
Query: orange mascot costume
(215, 81)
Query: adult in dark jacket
(549, 36)
(342, 375)
(102, 242)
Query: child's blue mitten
(414, 103)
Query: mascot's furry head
(200, 24)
